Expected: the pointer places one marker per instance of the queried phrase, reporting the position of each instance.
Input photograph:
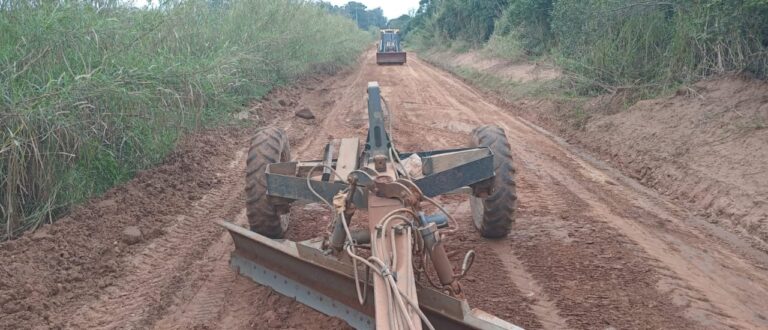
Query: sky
(392, 8)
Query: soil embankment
(706, 145)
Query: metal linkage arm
(447, 170)
(378, 142)
(286, 180)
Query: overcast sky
(392, 8)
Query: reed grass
(93, 91)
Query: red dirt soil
(707, 145)
(591, 248)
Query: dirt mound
(706, 145)
(81, 255)
(147, 247)
(515, 71)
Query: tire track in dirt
(205, 302)
(461, 94)
(687, 281)
(222, 300)
(543, 307)
(691, 271)
(156, 272)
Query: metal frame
(316, 274)
(467, 167)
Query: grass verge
(91, 94)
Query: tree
(467, 20)
(359, 13)
(400, 22)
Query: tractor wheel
(270, 145)
(494, 215)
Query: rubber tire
(269, 145)
(493, 216)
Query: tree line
(358, 12)
(608, 42)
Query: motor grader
(389, 270)
(390, 50)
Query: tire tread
(499, 208)
(269, 145)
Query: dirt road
(591, 249)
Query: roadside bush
(93, 93)
(506, 46)
(527, 23)
(638, 43)
(607, 45)
(469, 22)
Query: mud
(591, 248)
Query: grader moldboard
(335, 274)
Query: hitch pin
(469, 259)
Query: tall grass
(91, 94)
(626, 44)
(611, 45)
(524, 27)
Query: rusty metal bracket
(403, 190)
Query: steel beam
(349, 152)
(302, 271)
(295, 188)
(447, 170)
(378, 142)
(456, 177)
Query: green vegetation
(366, 19)
(401, 22)
(510, 89)
(607, 45)
(454, 22)
(91, 93)
(524, 27)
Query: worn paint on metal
(291, 263)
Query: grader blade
(301, 270)
(391, 58)
(390, 51)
